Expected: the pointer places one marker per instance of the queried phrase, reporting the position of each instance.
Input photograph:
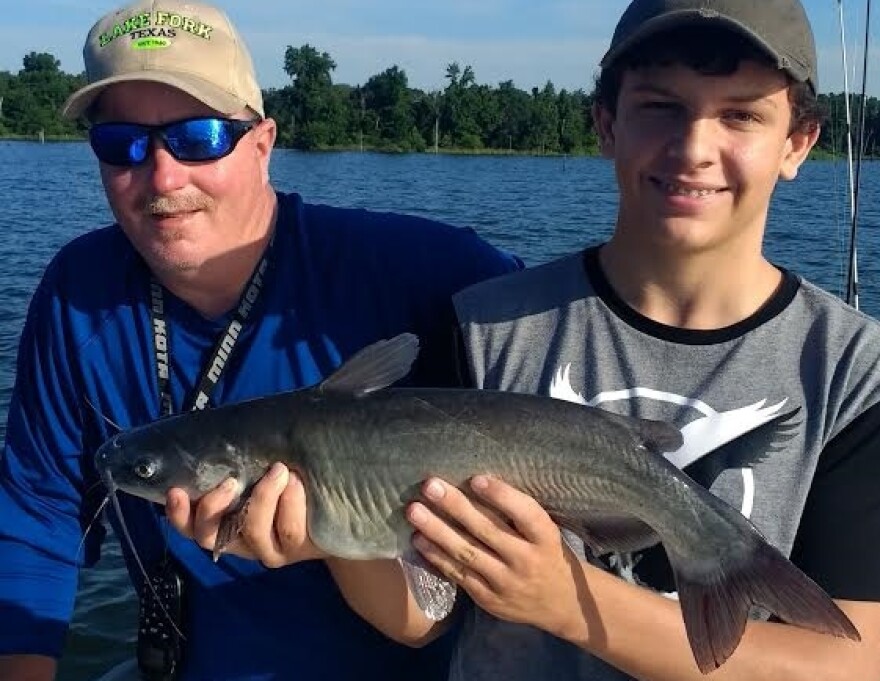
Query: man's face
(180, 215)
(697, 157)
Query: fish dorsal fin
(374, 367)
(657, 436)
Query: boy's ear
(797, 148)
(603, 122)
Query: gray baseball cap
(778, 27)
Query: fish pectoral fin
(230, 527)
(434, 594)
(606, 532)
(374, 367)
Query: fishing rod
(853, 259)
(852, 287)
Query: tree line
(386, 114)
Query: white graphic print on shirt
(704, 436)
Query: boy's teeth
(692, 193)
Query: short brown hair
(709, 51)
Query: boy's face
(697, 156)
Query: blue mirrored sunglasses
(193, 139)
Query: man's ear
(603, 122)
(797, 148)
(266, 133)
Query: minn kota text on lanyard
(213, 369)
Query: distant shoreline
(815, 155)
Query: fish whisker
(91, 488)
(147, 581)
(103, 418)
(91, 524)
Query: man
(210, 288)
(703, 105)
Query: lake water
(539, 208)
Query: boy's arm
(838, 540)
(27, 668)
(520, 570)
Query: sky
(527, 41)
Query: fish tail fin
(715, 605)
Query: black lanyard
(213, 368)
(160, 660)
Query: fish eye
(117, 444)
(145, 469)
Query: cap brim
(218, 99)
(694, 17)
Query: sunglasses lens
(120, 144)
(197, 139)
(202, 139)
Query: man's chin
(162, 261)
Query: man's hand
(505, 551)
(274, 530)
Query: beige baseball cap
(188, 45)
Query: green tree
(316, 116)
(387, 99)
(545, 119)
(514, 113)
(576, 133)
(460, 102)
(32, 99)
(833, 136)
(6, 83)
(41, 63)
(427, 113)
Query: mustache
(186, 203)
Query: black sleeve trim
(441, 362)
(838, 541)
(463, 371)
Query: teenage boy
(703, 105)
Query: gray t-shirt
(560, 330)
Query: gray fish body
(365, 458)
(363, 453)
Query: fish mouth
(103, 461)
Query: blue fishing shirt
(338, 280)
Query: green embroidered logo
(152, 30)
(150, 43)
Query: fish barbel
(363, 451)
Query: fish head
(148, 461)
